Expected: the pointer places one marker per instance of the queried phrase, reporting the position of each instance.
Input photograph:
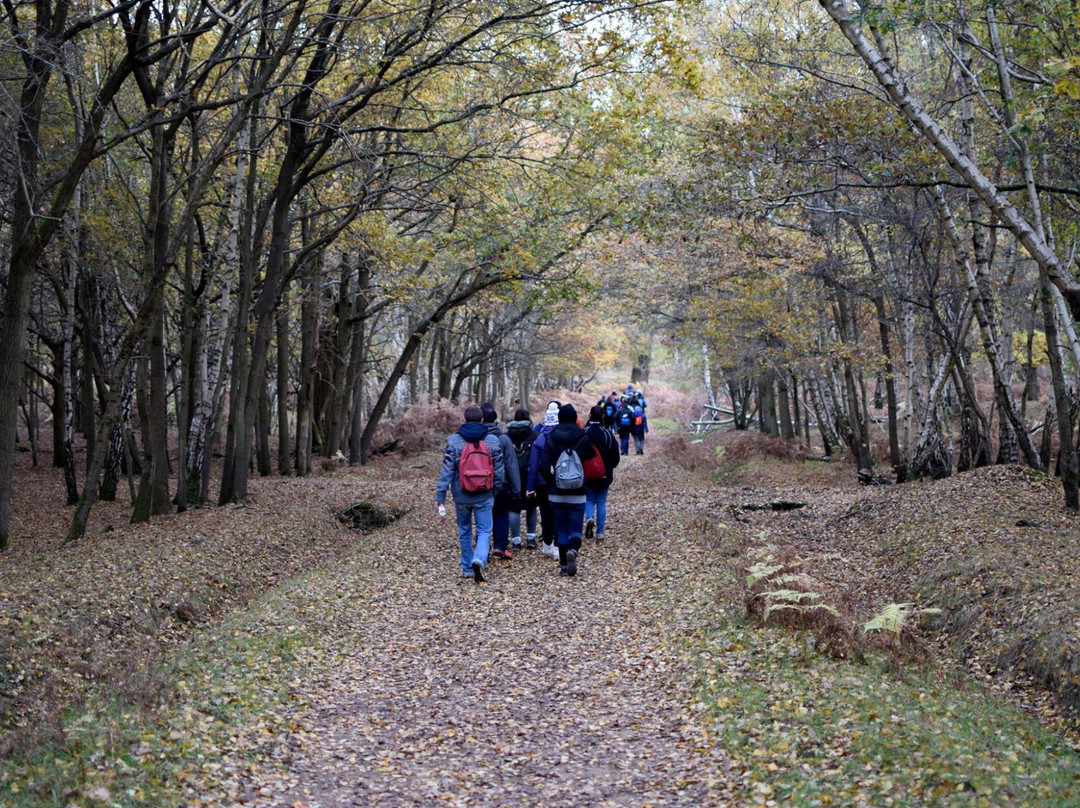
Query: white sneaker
(550, 550)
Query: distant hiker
(639, 426)
(520, 432)
(609, 405)
(624, 422)
(472, 469)
(562, 464)
(536, 488)
(596, 488)
(508, 493)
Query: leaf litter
(370, 673)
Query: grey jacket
(448, 477)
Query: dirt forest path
(529, 689)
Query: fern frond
(793, 578)
(802, 608)
(790, 595)
(763, 569)
(894, 617)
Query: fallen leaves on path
(367, 671)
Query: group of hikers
(557, 472)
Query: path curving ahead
(529, 689)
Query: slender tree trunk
(262, 433)
(1067, 456)
(284, 466)
(71, 270)
(309, 347)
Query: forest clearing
(269, 654)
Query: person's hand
(440, 507)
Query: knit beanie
(551, 414)
(567, 414)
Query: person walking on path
(609, 406)
(624, 420)
(639, 428)
(509, 493)
(596, 490)
(536, 489)
(472, 470)
(565, 451)
(520, 432)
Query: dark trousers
(500, 528)
(547, 518)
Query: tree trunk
(783, 400)
(309, 346)
(284, 466)
(766, 399)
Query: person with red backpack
(596, 486)
(473, 470)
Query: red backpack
(594, 466)
(476, 469)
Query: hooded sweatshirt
(561, 438)
(470, 431)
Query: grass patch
(807, 730)
(228, 699)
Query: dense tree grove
(877, 211)
(237, 220)
(261, 228)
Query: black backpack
(625, 416)
(609, 408)
(522, 451)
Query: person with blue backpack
(609, 406)
(563, 460)
(624, 421)
(472, 470)
(639, 426)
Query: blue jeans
(624, 443)
(569, 520)
(465, 515)
(639, 443)
(515, 522)
(597, 500)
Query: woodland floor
(266, 655)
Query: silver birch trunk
(886, 75)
